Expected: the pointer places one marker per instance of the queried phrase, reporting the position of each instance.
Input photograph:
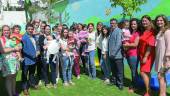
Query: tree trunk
(60, 17)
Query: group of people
(57, 50)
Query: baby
(51, 47)
(126, 33)
(83, 37)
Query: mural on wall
(85, 11)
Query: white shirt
(104, 45)
(98, 41)
(92, 41)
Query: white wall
(12, 17)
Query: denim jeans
(53, 74)
(91, 65)
(67, 68)
(105, 66)
(133, 63)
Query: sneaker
(25, 92)
(78, 77)
(131, 90)
(36, 87)
(54, 86)
(40, 83)
(107, 81)
(66, 84)
(48, 86)
(71, 83)
(57, 79)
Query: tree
(128, 6)
(27, 5)
(56, 10)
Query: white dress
(162, 50)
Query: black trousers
(28, 81)
(117, 68)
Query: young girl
(83, 35)
(104, 57)
(67, 46)
(16, 39)
(91, 51)
(126, 33)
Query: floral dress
(10, 63)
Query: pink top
(133, 51)
(83, 35)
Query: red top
(18, 37)
(146, 40)
(133, 51)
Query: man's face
(30, 30)
(113, 24)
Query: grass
(84, 87)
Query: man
(29, 55)
(115, 54)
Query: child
(16, 39)
(52, 47)
(83, 36)
(126, 33)
(67, 46)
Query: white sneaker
(78, 77)
(40, 83)
(57, 79)
(107, 81)
(66, 84)
(71, 83)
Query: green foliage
(128, 6)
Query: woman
(104, 56)
(49, 54)
(91, 51)
(10, 64)
(162, 59)
(99, 46)
(131, 52)
(67, 58)
(82, 46)
(146, 51)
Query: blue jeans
(91, 65)
(105, 66)
(45, 72)
(67, 68)
(133, 63)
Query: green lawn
(84, 87)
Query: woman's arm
(148, 50)
(132, 45)
(7, 50)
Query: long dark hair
(165, 19)
(98, 31)
(62, 33)
(108, 31)
(138, 25)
